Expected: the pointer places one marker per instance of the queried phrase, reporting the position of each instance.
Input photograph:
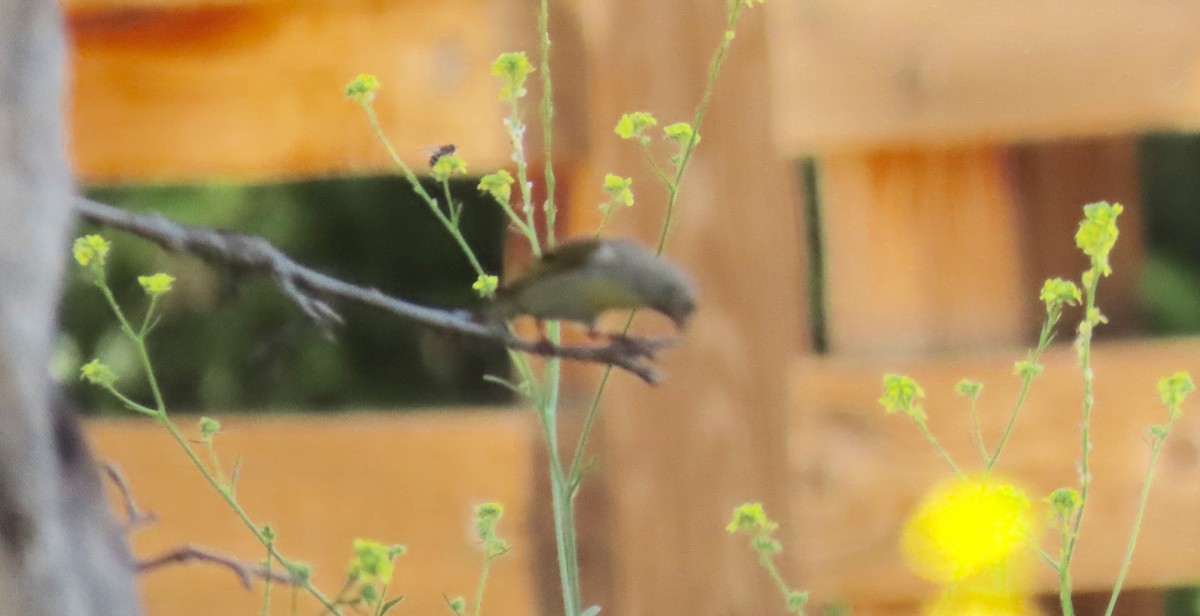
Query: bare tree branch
(308, 288)
(135, 516)
(246, 572)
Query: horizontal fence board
(170, 91)
(858, 472)
(863, 74)
(321, 482)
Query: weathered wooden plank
(857, 472)
(322, 482)
(919, 250)
(679, 457)
(168, 91)
(861, 74)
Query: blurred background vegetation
(1170, 171)
(229, 344)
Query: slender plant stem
(517, 222)
(653, 164)
(577, 465)
(237, 509)
(1064, 592)
(769, 564)
(160, 414)
(415, 183)
(1137, 519)
(564, 524)
(266, 604)
(714, 69)
(382, 599)
(547, 122)
(130, 404)
(1049, 559)
(483, 576)
(545, 395)
(216, 464)
(1044, 339)
(608, 210)
(516, 137)
(1085, 367)
(453, 212)
(974, 411)
(945, 455)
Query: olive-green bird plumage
(581, 279)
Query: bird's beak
(681, 323)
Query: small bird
(580, 279)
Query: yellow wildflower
(967, 526)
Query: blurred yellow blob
(1000, 591)
(967, 526)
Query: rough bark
(60, 552)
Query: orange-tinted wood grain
(321, 482)
(920, 250)
(253, 90)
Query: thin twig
(134, 515)
(309, 288)
(246, 572)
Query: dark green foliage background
(1170, 172)
(229, 344)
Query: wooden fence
(955, 145)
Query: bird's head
(675, 297)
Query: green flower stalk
(1173, 390)
(1096, 237)
(620, 194)
(902, 394)
(487, 516)
(1056, 294)
(362, 90)
(513, 68)
(750, 519)
(971, 390)
(91, 253)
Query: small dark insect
(439, 152)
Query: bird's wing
(565, 257)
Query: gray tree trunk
(60, 552)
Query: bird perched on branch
(580, 279)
